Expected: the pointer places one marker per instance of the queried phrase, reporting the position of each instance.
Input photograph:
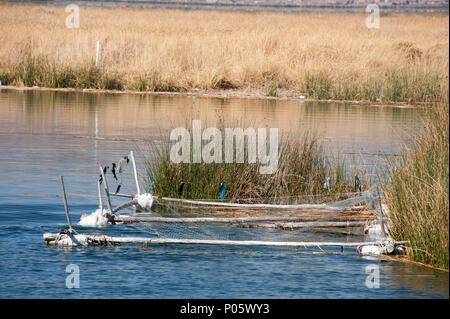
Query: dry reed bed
(324, 56)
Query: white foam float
(71, 240)
(386, 247)
(375, 232)
(370, 250)
(94, 219)
(144, 201)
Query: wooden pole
(135, 173)
(65, 204)
(52, 238)
(297, 225)
(133, 219)
(273, 206)
(100, 202)
(97, 54)
(125, 205)
(122, 195)
(105, 186)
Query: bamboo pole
(52, 239)
(297, 225)
(122, 195)
(65, 204)
(100, 202)
(277, 206)
(105, 186)
(125, 205)
(135, 173)
(134, 219)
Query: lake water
(47, 134)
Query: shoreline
(246, 93)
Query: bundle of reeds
(417, 192)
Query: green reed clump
(318, 85)
(272, 88)
(303, 168)
(153, 82)
(417, 192)
(402, 85)
(41, 71)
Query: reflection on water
(131, 116)
(40, 139)
(353, 130)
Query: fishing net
(249, 219)
(242, 222)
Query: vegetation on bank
(303, 170)
(417, 192)
(321, 56)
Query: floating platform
(73, 239)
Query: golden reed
(322, 56)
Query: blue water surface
(40, 140)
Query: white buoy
(71, 240)
(144, 201)
(375, 232)
(95, 219)
(370, 250)
(386, 247)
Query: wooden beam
(122, 195)
(105, 186)
(139, 219)
(290, 226)
(274, 206)
(52, 239)
(65, 204)
(125, 205)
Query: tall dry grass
(321, 55)
(417, 192)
